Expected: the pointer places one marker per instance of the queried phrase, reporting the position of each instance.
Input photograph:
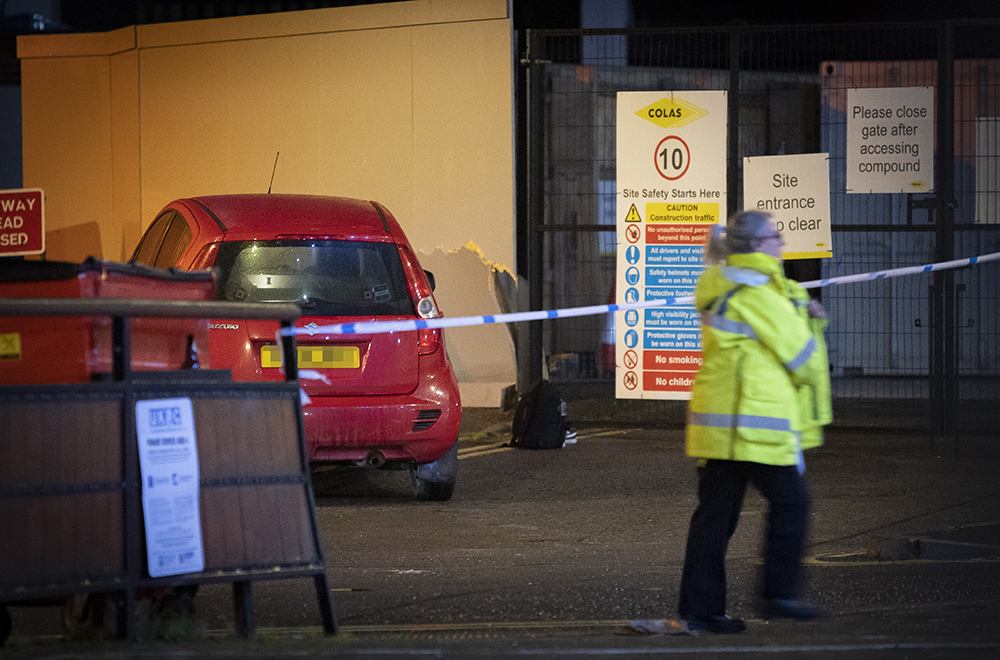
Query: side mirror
(430, 278)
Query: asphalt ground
(567, 553)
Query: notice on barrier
(795, 190)
(168, 461)
(890, 140)
(671, 159)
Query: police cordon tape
(376, 327)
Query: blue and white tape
(375, 327)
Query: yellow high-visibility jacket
(763, 391)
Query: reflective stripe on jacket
(761, 361)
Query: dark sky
(666, 13)
(99, 15)
(652, 13)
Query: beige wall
(408, 103)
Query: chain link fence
(917, 353)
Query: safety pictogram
(633, 215)
(631, 381)
(630, 360)
(632, 233)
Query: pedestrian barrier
(70, 483)
(373, 327)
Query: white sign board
(168, 461)
(795, 190)
(890, 140)
(671, 159)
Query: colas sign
(22, 222)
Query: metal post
(733, 126)
(121, 347)
(242, 599)
(243, 608)
(327, 613)
(530, 354)
(121, 369)
(289, 352)
(943, 368)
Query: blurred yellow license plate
(315, 357)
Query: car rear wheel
(435, 482)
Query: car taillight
(426, 308)
(206, 258)
(428, 340)
(420, 288)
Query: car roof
(268, 216)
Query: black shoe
(790, 609)
(717, 624)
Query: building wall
(407, 103)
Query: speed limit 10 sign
(672, 158)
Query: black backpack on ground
(540, 419)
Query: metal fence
(917, 353)
(71, 486)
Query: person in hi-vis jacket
(761, 397)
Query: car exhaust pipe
(374, 459)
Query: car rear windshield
(327, 278)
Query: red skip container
(65, 349)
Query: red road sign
(22, 222)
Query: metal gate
(917, 353)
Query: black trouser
(721, 487)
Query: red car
(380, 400)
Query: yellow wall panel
(66, 136)
(125, 222)
(462, 139)
(407, 103)
(214, 116)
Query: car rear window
(327, 278)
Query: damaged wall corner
(483, 355)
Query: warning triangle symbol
(633, 215)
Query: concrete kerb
(980, 541)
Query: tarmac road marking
(485, 453)
(476, 448)
(838, 559)
(483, 450)
(599, 434)
(486, 450)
